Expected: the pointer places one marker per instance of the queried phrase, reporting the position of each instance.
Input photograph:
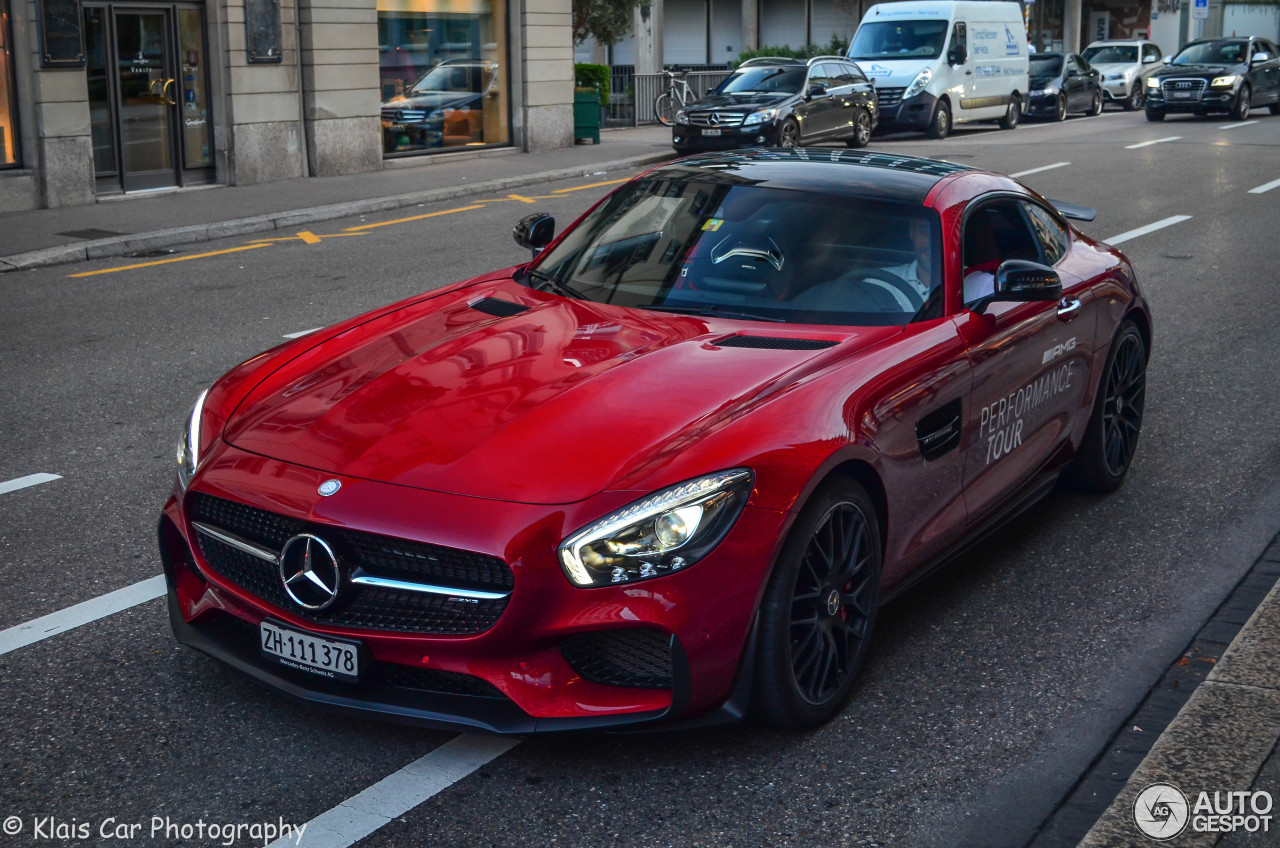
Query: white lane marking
(398, 793)
(299, 335)
(1149, 228)
(30, 480)
(70, 618)
(1233, 126)
(1149, 143)
(1265, 187)
(1038, 170)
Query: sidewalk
(125, 225)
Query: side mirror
(1150, 60)
(1261, 57)
(1168, 59)
(535, 231)
(1019, 281)
(817, 90)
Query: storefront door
(148, 96)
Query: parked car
(444, 107)
(1062, 83)
(768, 102)
(1217, 75)
(1125, 67)
(937, 63)
(669, 469)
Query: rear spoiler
(1074, 211)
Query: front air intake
(774, 343)
(498, 308)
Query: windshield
(1045, 66)
(899, 40)
(1213, 53)
(773, 80)
(742, 251)
(452, 78)
(1111, 54)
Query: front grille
(404, 116)
(774, 343)
(1176, 88)
(716, 119)
(889, 96)
(359, 607)
(638, 657)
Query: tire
(1106, 453)
(1155, 114)
(1136, 98)
(1240, 109)
(861, 130)
(1013, 114)
(664, 107)
(789, 133)
(1060, 110)
(1275, 108)
(1095, 108)
(940, 122)
(819, 609)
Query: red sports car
(669, 469)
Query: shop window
(8, 102)
(443, 73)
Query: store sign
(262, 28)
(61, 39)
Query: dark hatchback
(781, 103)
(1063, 83)
(1230, 75)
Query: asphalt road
(988, 691)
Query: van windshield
(899, 40)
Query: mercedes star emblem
(329, 487)
(310, 572)
(713, 119)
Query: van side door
(963, 78)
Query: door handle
(1068, 308)
(968, 73)
(164, 92)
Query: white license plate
(325, 657)
(1183, 95)
(711, 132)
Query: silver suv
(1125, 66)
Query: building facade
(100, 98)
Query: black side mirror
(1019, 281)
(817, 90)
(956, 57)
(535, 231)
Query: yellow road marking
(167, 261)
(522, 198)
(592, 185)
(307, 237)
(414, 218)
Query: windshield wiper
(556, 285)
(711, 313)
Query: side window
(818, 76)
(1072, 65)
(1049, 232)
(844, 74)
(855, 74)
(1150, 51)
(994, 232)
(958, 54)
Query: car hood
(1196, 70)
(1115, 68)
(431, 100)
(1038, 83)
(739, 103)
(551, 405)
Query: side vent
(939, 432)
(498, 307)
(773, 343)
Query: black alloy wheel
(1240, 110)
(940, 123)
(819, 609)
(789, 135)
(1012, 114)
(1060, 111)
(861, 129)
(1135, 99)
(1095, 108)
(1116, 420)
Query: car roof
(857, 174)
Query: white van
(941, 62)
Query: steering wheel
(908, 290)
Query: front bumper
(1117, 90)
(687, 138)
(1042, 106)
(513, 677)
(914, 113)
(1213, 100)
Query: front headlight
(1222, 82)
(1045, 92)
(665, 532)
(682, 117)
(189, 447)
(1116, 77)
(761, 117)
(1152, 82)
(918, 84)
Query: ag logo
(1160, 811)
(1057, 350)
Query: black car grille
(1178, 89)
(716, 119)
(636, 657)
(889, 96)
(404, 116)
(360, 607)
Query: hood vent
(773, 343)
(498, 307)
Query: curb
(195, 233)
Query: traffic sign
(1201, 10)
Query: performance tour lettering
(1001, 422)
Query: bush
(588, 75)
(835, 47)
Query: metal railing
(631, 95)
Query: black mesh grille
(639, 658)
(774, 343)
(499, 307)
(889, 96)
(361, 607)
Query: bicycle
(677, 95)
